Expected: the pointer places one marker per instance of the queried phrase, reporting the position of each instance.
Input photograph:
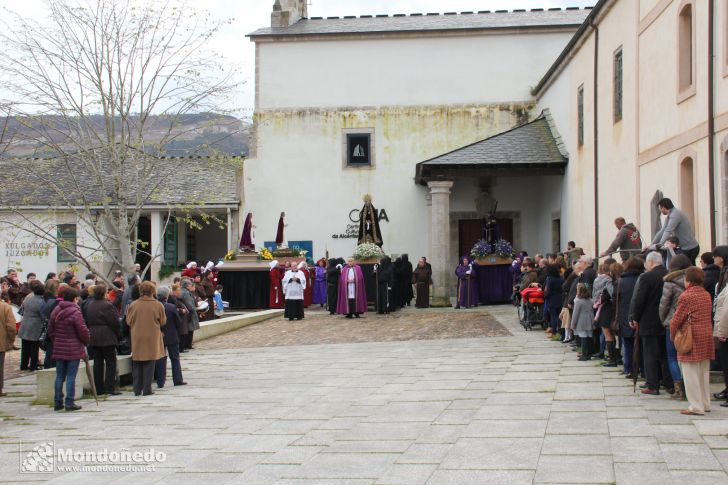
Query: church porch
(516, 176)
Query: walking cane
(457, 305)
(467, 305)
(376, 283)
(89, 375)
(636, 359)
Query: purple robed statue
(246, 241)
(467, 289)
(319, 283)
(352, 292)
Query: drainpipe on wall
(711, 120)
(596, 137)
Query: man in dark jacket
(628, 240)
(712, 272)
(644, 315)
(171, 332)
(103, 323)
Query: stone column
(428, 204)
(156, 246)
(440, 246)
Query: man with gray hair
(644, 315)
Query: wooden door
(470, 230)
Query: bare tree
(85, 87)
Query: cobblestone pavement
(12, 363)
(512, 409)
(319, 327)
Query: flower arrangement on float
(487, 254)
(503, 248)
(265, 255)
(368, 251)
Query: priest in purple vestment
(467, 289)
(352, 292)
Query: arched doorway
(687, 188)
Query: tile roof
(188, 181)
(534, 144)
(482, 20)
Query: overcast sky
(249, 15)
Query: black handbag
(43, 339)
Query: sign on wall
(352, 229)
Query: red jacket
(697, 301)
(69, 333)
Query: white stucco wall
(299, 170)
(23, 250)
(442, 70)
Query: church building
(556, 121)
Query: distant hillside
(195, 134)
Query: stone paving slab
(508, 408)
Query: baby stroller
(531, 310)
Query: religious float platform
(246, 282)
(493, 271)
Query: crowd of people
(655, 313)
(339, 286)
(71, 321)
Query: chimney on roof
(288, 12)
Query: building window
(358, 149)
(618, 85)
(66, 243)
(685, 52)
(580, 114)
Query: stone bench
(46, 378)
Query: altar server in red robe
(276, 299)
(308, 291)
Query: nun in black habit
(385, 276)
(333, 272)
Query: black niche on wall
(358, 149)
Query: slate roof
(482, 20)
(536, 144)
(183, 181)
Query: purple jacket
(360, 297)
(69, 333)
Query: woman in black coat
(103, 323)
(633, 268)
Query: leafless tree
(86, 86)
